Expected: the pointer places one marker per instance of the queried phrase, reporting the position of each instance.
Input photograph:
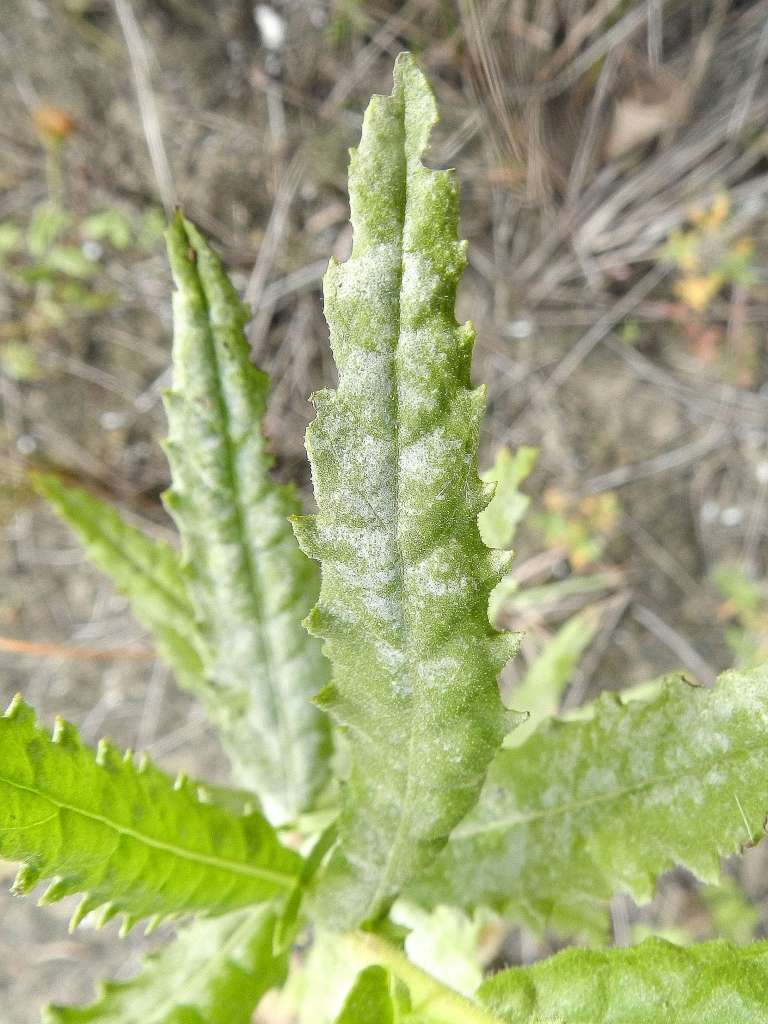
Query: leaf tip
(26, 879)
(57, 890)
(504, 646)
(153, 923)
(84, 907)
(51, 1013)
(19, 710)
(44, 484)
(512, 719)
(421, 114)
(306, 533)
(107, 755)
(65, 734)
(108, 911)
(128, 924)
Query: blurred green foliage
(745, 611)
(582, 526)
(57, 268)
(707, 256)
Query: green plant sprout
(428, 803)
(56, 271)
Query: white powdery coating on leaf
(683, 774)
(440, 573)
(368, 376)
(356, 541)
(393, 658)
(429, 459)
(366, 280)
(383, 607)
(435, 670)
(419, 281)
(395, 452)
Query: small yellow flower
(712, 219)
(698, 290)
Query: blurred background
(613, 157)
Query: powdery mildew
(249, 583)
(583, 810)
(405, 575)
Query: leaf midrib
(404, 815)
(289, 778)
(208, 860)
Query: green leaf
(47, 224)
(10, 237)
(123, 833)
(509, 595)
(405, 575)
(655, 982)
(147, 571)
(542, 686)
(290, 920)
(585, 809)
(378, 996)
(432, 1001)
(250, 584)
(215, 972)
(445, 942)
(70, 260)
(18, 359)
(499, 521)
(109, 225)
(318, 985)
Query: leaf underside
(406, 578)
(249, 582)
(215, 972)
(653, 983)
(585, 809)
(146, 570)
(124, 834)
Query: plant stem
(53, 172)
(429, 995)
